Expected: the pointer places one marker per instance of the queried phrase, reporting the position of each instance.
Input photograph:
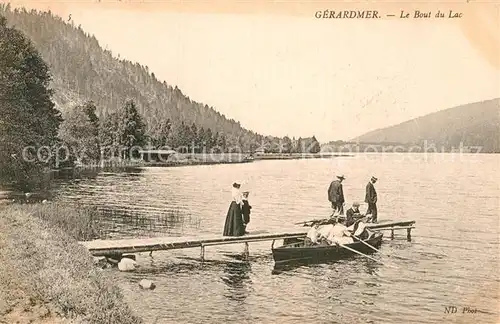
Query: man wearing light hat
(336, 195)
(371, 199)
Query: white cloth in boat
(324, 230)
(339, 234)
(313, 234)
(343, 240)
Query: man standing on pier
(336, 195)
(371, 199)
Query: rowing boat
(298, 252)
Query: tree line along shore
(63, 90)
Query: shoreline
(299, 156)
(200, 159)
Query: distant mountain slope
(82, 71)
(475, 124)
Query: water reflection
(237, 279)
(43, 186)
(115, 222)
(356, 264)
(369, 266)
(127, 201)
(74, 174)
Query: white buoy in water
(127, 264)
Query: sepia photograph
(250, 162)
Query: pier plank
(136, 245)
(385, 224)
(110, 247)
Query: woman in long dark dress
(234, 221)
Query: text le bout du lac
(375, 14)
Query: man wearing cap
(371, 199)
(352, 214)
(336, 195)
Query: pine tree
(110, 135)
(200, 140)
(123, 132)
(79, 132)
(193, 137)
(221, 141)
(27, 113)
(208, 139)
(134, 129)
(286, 146)
(314, 147)
(300, 146)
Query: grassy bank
(47, 277)
(78, 222)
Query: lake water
(454, 250)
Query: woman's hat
(341, 177)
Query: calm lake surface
(454, 250)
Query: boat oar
(357, 252)
(311, 222)
(397, 256)
(369, 257)
(370, 246)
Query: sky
(299, 76)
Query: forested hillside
(474, 124)
(84, 72)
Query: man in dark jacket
(245, 210)
(353, 214)
(336, 195)
(371, 199)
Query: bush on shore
(41, 264)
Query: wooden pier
(128, 246)
(394, 226)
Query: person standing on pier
(245, 210)
(234, 221)
(371, 199)
(336, 195)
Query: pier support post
(392, 233)
(202, 253)
(246, 252)
(408, 234)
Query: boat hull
(296, 252)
